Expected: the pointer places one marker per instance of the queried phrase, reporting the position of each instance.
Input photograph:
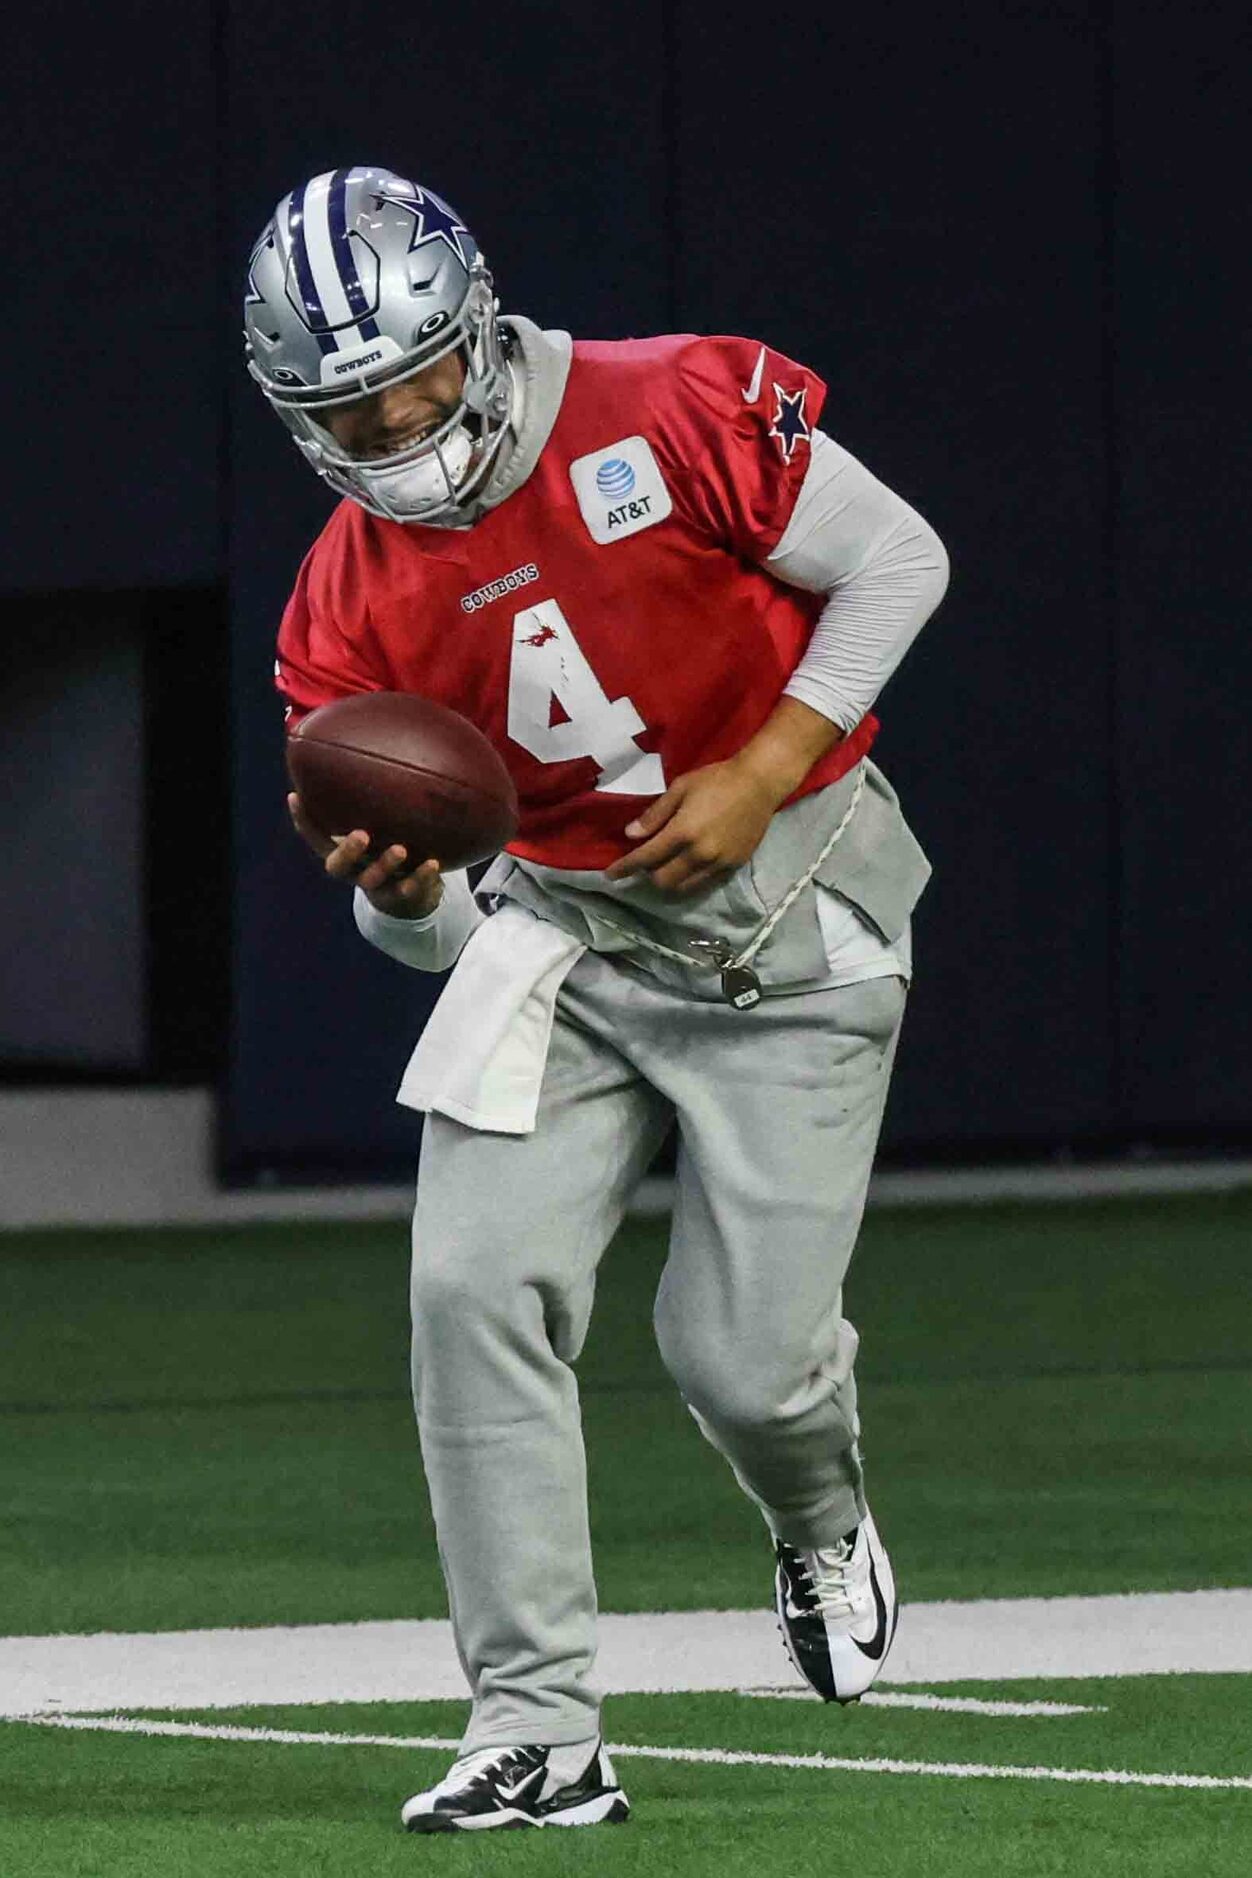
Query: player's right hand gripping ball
(406, 770)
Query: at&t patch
(620, 489)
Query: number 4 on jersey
(549, 664)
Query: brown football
(406, 770)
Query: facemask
(411, 490)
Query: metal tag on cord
(740, 985)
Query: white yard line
(987, 1640)
(947, 1704)
(719, 1757)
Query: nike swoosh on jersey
(752, 391)
(878, 1642)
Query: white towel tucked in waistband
(481, 1057)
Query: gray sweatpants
(778, 1111)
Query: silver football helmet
(361, 279)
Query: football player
(669, 599)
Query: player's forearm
(428, 945)
(883, 568)
(789, 742)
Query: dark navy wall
(1007, 236)
(73, 957)
(113, 395)
(1184, 641)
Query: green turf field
(131, 1807)
(209, 1428)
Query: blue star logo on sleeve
(790, 425)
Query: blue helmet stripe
(314, 313)
(344, 259)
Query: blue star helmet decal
(433, 220)
(254, 296)
(789, 425)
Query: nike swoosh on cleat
(878, 1642)
(515, 1792)
(752, 391)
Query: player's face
(398, 415)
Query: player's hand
(390, 881)
(708, 823)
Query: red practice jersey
(609, 626)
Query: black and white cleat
(497, 1789)
(837, 1610)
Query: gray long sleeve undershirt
(885, 571)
